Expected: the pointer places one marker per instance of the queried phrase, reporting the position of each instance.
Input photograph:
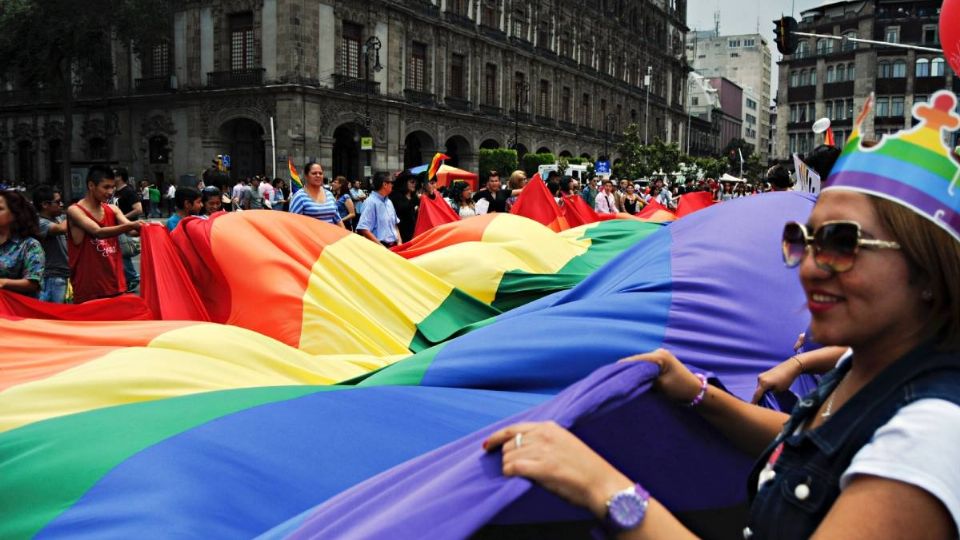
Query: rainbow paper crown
(914, 168)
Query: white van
(576, 171)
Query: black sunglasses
(835, 244)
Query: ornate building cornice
(157, 124)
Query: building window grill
(242, 49)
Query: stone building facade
(323, 77)
(832, 79)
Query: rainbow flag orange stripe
(295, 181)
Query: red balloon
(950, 32)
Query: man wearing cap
(378, 222)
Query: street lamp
(646, 111)
(688, 100)
(371, 47)
(520, 101)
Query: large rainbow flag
(331, 388)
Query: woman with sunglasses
(871, 452)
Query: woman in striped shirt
(315, 200)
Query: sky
(734, 21)
(734, 18)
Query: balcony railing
(425, 7)
(346, 83)
(588, 131)
(458, 19)
(491, 110)
(420, 98)
(457, 103)
(545, 52)
(568, 126)
(91, 90)
(235, 78)
(23, 97)
(520, 116)
(521, 43)
(152, 85)
(545, 121)
(492, 32)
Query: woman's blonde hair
(516, 179)
(934, 259)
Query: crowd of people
(864, 455)
(90, 247)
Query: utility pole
(646, 109)
(689, 101)
(370, 47)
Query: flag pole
(273, 147)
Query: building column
(326, 51)
(326, 151)
(179, 49)
(206, 43)
(268, 39)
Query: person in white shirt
(168, 198)
(666, 198)
(266, 193)
(606, 201)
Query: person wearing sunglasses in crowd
(53, 238)
(871, 452)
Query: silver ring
(518, 440)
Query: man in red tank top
(96, 266)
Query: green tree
(532, 162)
(711, 167)
(639, 160)
(732, 152)
(502, 160)
(56, 47)
(754, 169)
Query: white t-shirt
(266, 192)
(918, 446)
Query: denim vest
(807, 473)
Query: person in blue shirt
(315, 199)
(187, 201)
(378, 222)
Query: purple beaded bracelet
(703, 391)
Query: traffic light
(783, 30)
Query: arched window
(849, 45)
(884, 70)
(813, 77)
(841, 72)
(822, 46)
(794, 79)
(831, 75)
(804, 77)
(922, 67)
(936, 67)
(899, 69)
(803, 49)
(851, 71)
